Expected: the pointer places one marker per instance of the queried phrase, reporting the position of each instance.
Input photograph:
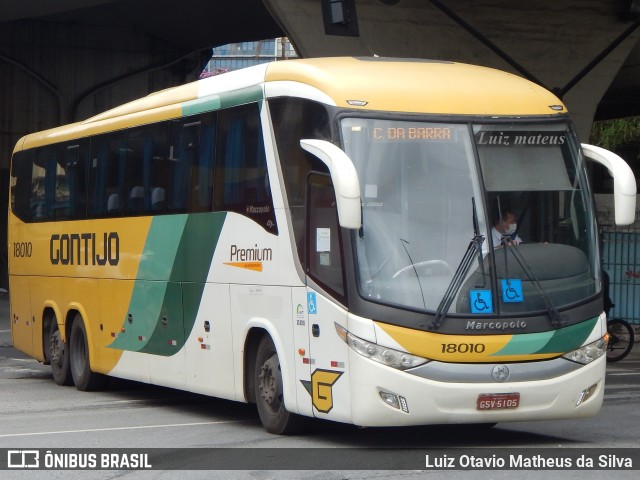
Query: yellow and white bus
(317, 236)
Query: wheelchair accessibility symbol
(481, 301)
(512, 290)
(312, 307)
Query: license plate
(498, 401)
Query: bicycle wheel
(620, 339)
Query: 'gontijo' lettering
(85, 249)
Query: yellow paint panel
(418, 86)
(21, 325)
(83, 296)
(103, 125)
(169, 97)
(456, 348)
(115, 297)
(101, 293)
(50, 243)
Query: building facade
(241, 55)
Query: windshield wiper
(556, 318)
(474, 249)
(413, 265)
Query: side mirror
(344, 177)
(624, 183)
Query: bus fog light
(390, 399)
(395, 401)
(586, 394)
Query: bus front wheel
(59, 355)
(83, 377)
(269, 395)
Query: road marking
(621, 385)
(119, 428)
(620, 396)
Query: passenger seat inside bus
(113, 204)
(40, 213)
(157, 199)
(136, 200)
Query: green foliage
(612, 134)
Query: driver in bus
(504, 231)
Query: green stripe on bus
(156, 263)
(223, 100)
(561, 340)
(174, 259)
(525, 343)
(164, 237)
(190, 270)
(201, 105)
(569, 338)
(241, 97)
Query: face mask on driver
(511, 229)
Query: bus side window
(191, 158)
(157, 170)
(75, 163)
(43, 184)
(107, 175)
(241, 176)
(146, 168)
(324, 262)
(139, 144)
(21, 186)
(202, 171)
(294, 119)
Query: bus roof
(384, 84)
(419, 86)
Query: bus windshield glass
(427, 194)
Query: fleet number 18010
(463, 347)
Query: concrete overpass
(69, 59)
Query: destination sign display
(411, 133)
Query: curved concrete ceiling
(191, 25)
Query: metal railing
(621, 260)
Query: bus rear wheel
(59, 355)
(269, 394)
(83, 377)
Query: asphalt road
(37, 414)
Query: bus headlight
(386, 356)
(588, 353)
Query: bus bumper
(421, 401)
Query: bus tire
(85, 379)
(269, 395)
(59, 355)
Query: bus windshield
(429, 189)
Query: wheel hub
(56, 348)
(270, 383)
